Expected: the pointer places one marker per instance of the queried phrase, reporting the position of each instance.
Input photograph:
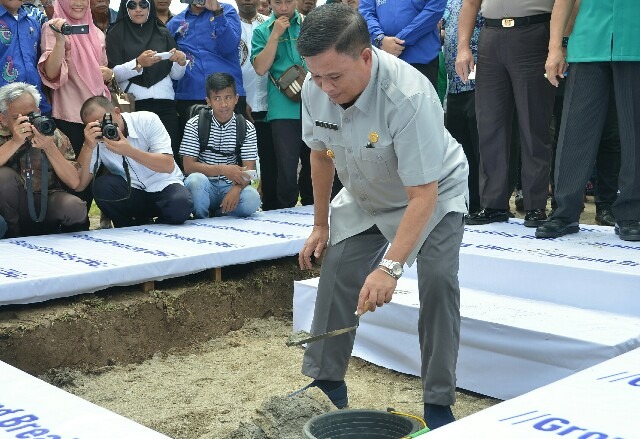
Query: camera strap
(127, 174)
(44, 188)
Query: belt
(517, 21)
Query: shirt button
(379, 157)
(385, 86)
(349, 150)
(346, 119)
(373, 213)
(363, 198)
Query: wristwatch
(565, 41)
(392, 268)
(377, 41)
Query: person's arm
(264, 52)
(234, 173)
(556, 64)
(53, 45)
(156, 161)
(367, 9)
(423, 23)
(228, 30)
(466, 23)
(91, 132)
(62, 167)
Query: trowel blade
(293, 342)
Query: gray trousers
(586, 104)
(344, 269)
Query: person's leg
(430, 71)
(248, 204)
(344, 269)
(462, 125)
(165, 109)
(557, 121)
(608, 166)
(304, 176)
(111, 194)
(201, 191)
(439, 321)
(173, 204)
(268, 164)
(286, 142)
(10, 188)
(66, 210)
(3, 227)
(494, 112)
(534, 97)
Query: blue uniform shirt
(20, 50)
(211, 45)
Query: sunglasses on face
(144, 4)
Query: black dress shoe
(604, 217)
(628, 230)
(535, 218)
(486, 216)
(555, 228)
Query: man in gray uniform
(512, 50)
(379, 123)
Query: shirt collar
(364, 100)
(223, 125)
(130, 126)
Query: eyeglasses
(132, 5)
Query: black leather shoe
(535, 218)
(555, 228)
(486, 216)
(628, 230)
(605, 218)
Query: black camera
(74, 29)
(109, 129)
(42, 123)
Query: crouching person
(215, 140)
(144, 181)
(36, 163)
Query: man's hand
(280, 26)
(392, 45)
(236, 174)
(212, 5)
(41, 141)
(121, 146)
(464, 63)
(92, 132)
(22, 129)
(555, 66)
(378, 289)
(231, 199)
(315, 245)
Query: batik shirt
(20, 49)
(450, 49)
(18, 162)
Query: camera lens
(110, 131)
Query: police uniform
(392, 137)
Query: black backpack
(205, 117)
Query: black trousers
(172, 205)
(430, 70)
(510, 75)
(584, 116)
(291, 150)
(607, 159)
(268, 163)
(166, 111)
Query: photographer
(144, 181)
(25, 151)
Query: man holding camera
(144, 181)
(37, 163)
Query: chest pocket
(379, 163)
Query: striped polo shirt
(222, 139)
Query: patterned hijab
(126, 40)
(86, 50)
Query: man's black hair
(94, 101)
(335, 26)
(220, 81)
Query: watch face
(397, 269)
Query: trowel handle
(364, 311)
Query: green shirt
(280, 106)
(606, 30)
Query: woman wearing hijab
(135, 44)
(73, 66)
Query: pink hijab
(86, 50)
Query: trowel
(302, 337)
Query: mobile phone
(252, 174)
(164, 55)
